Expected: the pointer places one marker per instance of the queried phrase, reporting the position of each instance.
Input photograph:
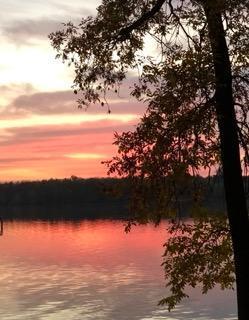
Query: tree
(196, 90)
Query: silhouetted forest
(58, 192)
(82, 198)
(64, 198)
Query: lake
(92, 269)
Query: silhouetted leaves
(197, 254)
(178, 136)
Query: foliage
(197, 254)
(177, 137)
(178, 134)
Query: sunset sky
(42, 132)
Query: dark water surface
(92, 270)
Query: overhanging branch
(125, 32)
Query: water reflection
(92, 270)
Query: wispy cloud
(27, 22)
(30, 31)
(19, 135)
(61, 102)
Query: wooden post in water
(1, 226)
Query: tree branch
(242, 78)
(243, 144)
(125, 32)
(180, 24)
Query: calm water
(92, 270)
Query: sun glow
(35, 65)
(82, 156)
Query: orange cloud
(58, 151)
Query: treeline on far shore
(95, 197)
(76, 190)
(64, 198)
(59, 192)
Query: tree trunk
(230, 154)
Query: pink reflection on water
(92, 270)
(91, 242)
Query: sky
(42, 132)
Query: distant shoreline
(78, 198)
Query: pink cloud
(42, 153)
